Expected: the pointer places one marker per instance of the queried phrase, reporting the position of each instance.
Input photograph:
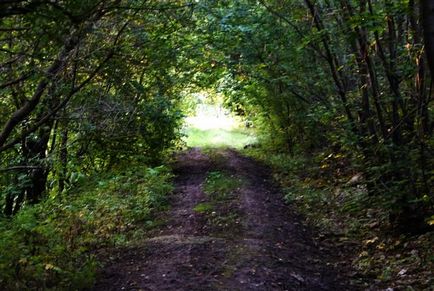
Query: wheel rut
(252, 241)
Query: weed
(203, 208)
(220, 186)
(229, 220)
(49, 245)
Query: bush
(52, 245)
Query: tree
(351, 72)
(427, 8)
(79, 73)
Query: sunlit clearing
(210, 116)
(214, 126)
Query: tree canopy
(88, 86)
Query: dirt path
(249, 241)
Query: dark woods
(344, 77)
(86, 85)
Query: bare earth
(250, 241)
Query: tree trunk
(63, 160)
(333, 64)
(427, 7)
(36, 151)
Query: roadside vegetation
(55, 244)
(332, 197)
(97, 97)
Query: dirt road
(250, 240)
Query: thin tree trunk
(367, 125)
(37, 151)
(63, 160)
(333, 64)
(427, 7)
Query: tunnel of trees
(87, 86)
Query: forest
(323, 180)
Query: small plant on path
(219, 185)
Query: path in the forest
(251, 241)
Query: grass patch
(217, 137)
(220, 213)
(203, 207)
(50, 245)
(210, 125)
(219, 185)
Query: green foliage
(52, 245)
(290, 165)
(203, 208)
(307, 74)
(212, 138)
(211, 125)
(113, 90)
(92, 87)
(219, 185)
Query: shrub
(52, 245)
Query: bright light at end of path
(212, 117)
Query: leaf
(370, 241)
(49, 267)
(23, 261)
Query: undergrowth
(219, 185)
(203, 207)
(220, 188)
(52, 245)
(325, 191)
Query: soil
(251, 240)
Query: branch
(21, 168)
(14, 29)
(294, 27)
(66, 100)
(13, 82)
(156, 8)
(62, 104)
(19, 115)
(60, 62)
